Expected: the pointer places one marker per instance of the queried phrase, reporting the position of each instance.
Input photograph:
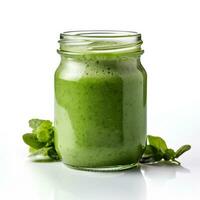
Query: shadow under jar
(100, 100)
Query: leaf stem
(176, 161)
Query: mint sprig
(157, 150)
(41, 139)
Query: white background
(29, 31)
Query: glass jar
(100, 100)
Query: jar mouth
(99, 34)
(99, 41)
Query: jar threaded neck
(100, 41)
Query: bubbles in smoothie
(99, 69)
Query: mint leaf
(44, 131)
(145, 160)
(158, 156)
(42, 128)
(156, 150)
(32, 150)
(149, 151)
(169, 154)
(157, 142)
(41, 140)
(43, 135)
(53, 154)
(31, 140)
(34, 123)
(151, 154)
(42, 151)
(182, 150)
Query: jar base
(106, 168)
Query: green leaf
(151, 155)
(43, 135)
(158, 156)
(32, 150)
(42, 151)
(157, 142)
(44, 131)
(149, 159)
(34, 123)
(152, 158)
(31, 140)
(149, 151)
(41, 140)
(169, 154)
(53, 154)
(182, 150)
(156, 150)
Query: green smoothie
(100, 109)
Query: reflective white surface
(20, 178)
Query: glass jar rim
(99, 34)
(99, 41)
